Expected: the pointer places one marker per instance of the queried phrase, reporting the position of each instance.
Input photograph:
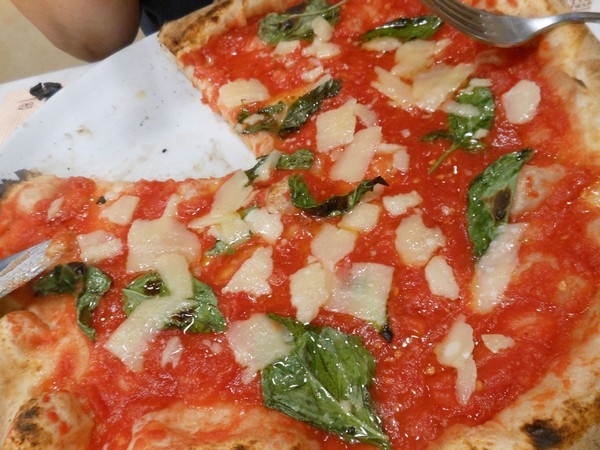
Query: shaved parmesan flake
(533, 186)
(267, 225)
(440, 278)
(336, 126)
(130, 340)
(494, 269)
(321, 49)
(415, 242)
(497, 342)
(322, 29)
(310, 289)
(382, 44)
(362, 218)
(399, 204)
(287, 47)
(171, 355)
(429, 89)
(456, 350)
(231, 196)
(521, 102)
(367, 116)
(121, 211)
(466, 110)
(332, 244)
(363, 292)
(253, 275)
(416, 55)
(265, 170)
(394, 88)
(230, 229)
(354, 161)
(55, 208)
(148, 239)
(98, 246)
(258, 342)
(237, 92)
(174, 272)
(401, 160)
(433, 87)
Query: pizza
(412, 262)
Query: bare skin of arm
(86, 29)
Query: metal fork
(18, 269)
(499, 29)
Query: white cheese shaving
(98, 246)
(362, 218)
(121, 211)
(310, 288)
(399, 204)
(265, 224)
(363, 292)
(55, 208)
(336, 126)
(416, 55)
(130, 340)
(354, 161)
(240, 91)
(286, 47)
(171, 354)
(258, 342)
(493, 271)
(456, 350)
(415, 242)
(521, 102)
(533, 186)
(440, 278)
(148, 239)
(253, 275)
(332, 244)
(497, 342)
(433, 87)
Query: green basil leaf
(306, 105)
(301, 159)
(463, 129)
(222, 248)
(96, 284)
(87, 283)
(203, 317)
(269, 121)
(295, 23)
(490, 197)
(251, 173)
(302, 198)
(324, 381)
(144, 287)
(405, 29)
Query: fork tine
(460, 16)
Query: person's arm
(87, 29)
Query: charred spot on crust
(26, 429)
(543, 434)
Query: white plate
(131, 116)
